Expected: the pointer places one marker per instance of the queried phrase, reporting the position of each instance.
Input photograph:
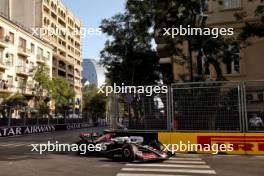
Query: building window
(22, 43)
(202, 67)
(1, 57)
(21, 82)
(11, 37)
(10, 60)
(32, 48)
(233, 67)
(48, 55)
(21, 62)
(40, 51)
(1, 33)
(10, 81)
(31, 66)
(205, 6)
(231, 4)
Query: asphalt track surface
(17, 159)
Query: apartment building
(20, 51)
(52, 15)
(249, 62)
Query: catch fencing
(11, 116)
(203, 106)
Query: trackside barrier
(229, 112)
(25, 130)
(243, 143)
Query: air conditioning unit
(255, 97)
(7, 38)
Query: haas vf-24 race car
(123, 148)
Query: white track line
(182, 158)
(194, 171)
(184, 162)
(13, 145)
(170, 165)
(133, 174)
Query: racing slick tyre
(128, 152)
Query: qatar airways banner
(24, 130)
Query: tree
(94, 103)
(16, 100)
(11, 101)
(128, 57)
(253, 29)
(158, 15)
(42, 87)
(62, 93)
(4, 96)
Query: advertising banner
(24, 130)
(241, 143)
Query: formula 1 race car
(129, 149)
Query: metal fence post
(65, 121)
(169, 110)
(245, 113)
(48, 119)
(241, 106)
(172, 108)
(38, 118)
(25, 116)
(9, 117)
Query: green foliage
(158, 14)
(3, 96)
(46, 89)
(93, 102)
(251, 29)
(128, 57)
(42, 86)
(62, 93)
(16, 100)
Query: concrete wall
(218, 15)
(4, 7)
(23, 11)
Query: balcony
(70, 70)
(22, 70)
(46, 2)
(23, 51)
(71, 80)
(6, 87)
(25, 90)
(4, 42)
(41, 59)
(62, 66)
(77, 85)
(77, 73)
(3, 65)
